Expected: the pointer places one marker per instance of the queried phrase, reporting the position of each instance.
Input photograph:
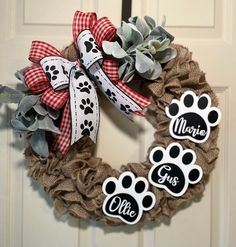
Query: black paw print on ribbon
(65, 72)
(84, 87)
(126, 109)
(91, 46)
(98, 80)
(51, 72)
(87, 106)
(86, 127)
(78, 74)
(111, 95)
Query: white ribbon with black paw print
(83, 99)
(92, 59)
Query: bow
(64, 84)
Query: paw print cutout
(192, 117)
(51, 72)
(111, 96)
(174, 169)
(127, 197)
(87, 106)
(86, 127)
(126, 109)
(91, 45)
(84, 87)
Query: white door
(27, 219)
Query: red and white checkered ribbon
(102, 29)
(53, 79)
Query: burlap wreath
(74, 182)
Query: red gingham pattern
(110, 67)
(103, 29)
(62, 141)
(40, 49)
(35, 79)
(37, 82)
(82, 21)
(54, 99)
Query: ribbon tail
(117, 97)
(84, 106)
(92, 60)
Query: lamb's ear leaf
(126, 31)
(133, 19)
(150, 21)
(166, 55)
(10, 95)
(25, 105)
(20, 74)
(113, 49)
(53, 114)
(136, 38)
(127, 69)
(46, 123)
(142, 27)
(39, 143)
(18, 125)
(143, 63)
(40, 109)
(153, 73)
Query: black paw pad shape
(111, 95)
(84, 87)
(86, 128)
(192, 117)
(91, 45)
(78, 74)
(126, 109)
(174, 169)
(127, 197)
(51, 72)
(87, 106)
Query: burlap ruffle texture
(75, 182)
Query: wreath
(58, 113)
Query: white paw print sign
(127, 197)
(174, 169)
(192, 117)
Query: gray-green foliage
(32, 116)
(10, 95)
(142, 48)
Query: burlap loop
(75, 181)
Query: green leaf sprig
(142, 47)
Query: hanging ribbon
(53, 79)
(65, 84)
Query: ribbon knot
(68, 85)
